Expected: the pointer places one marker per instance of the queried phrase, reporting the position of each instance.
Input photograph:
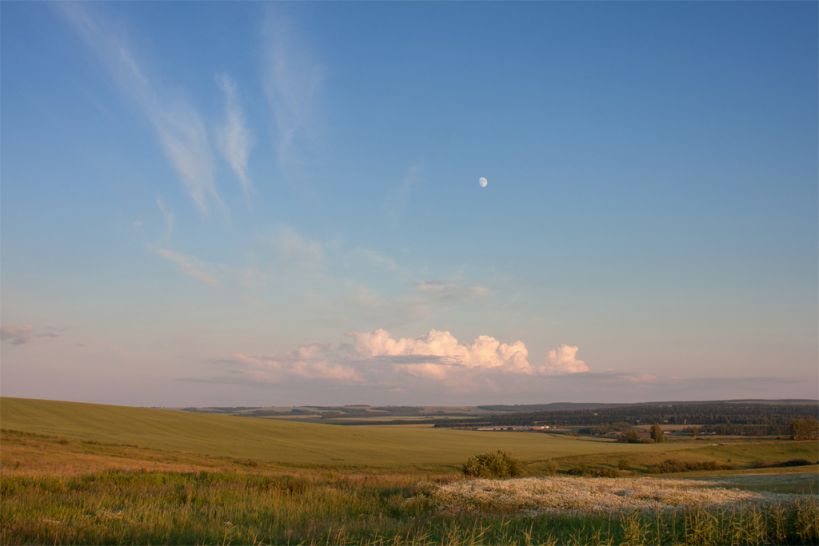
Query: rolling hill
(290, 443)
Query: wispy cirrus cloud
(234, 137)
(292, 79)
(293, 248)
(189, 265)
(16, 334)
(167, 217)
(20, 334)
(179, 128)
(314, 361)
(397, 201)
(448, 290)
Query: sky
(281, 203)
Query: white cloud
(643, 378)
(292, 81)
(292, 247)
(397, 201)
(179, 127)
(235, 139)
(314, 361)
(189, 265)
(376, 357)
(377, 260)
(439, 352)
(563, 360)
(453, 291)
(167, 216)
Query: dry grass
(33, 455)
(588, 494)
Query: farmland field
(300, 444)
(85, 473)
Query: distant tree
(632, 436)
(804, 429)
(657, 433)
(695, 432)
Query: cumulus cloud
(439, 352)
(376, 356)
(563, 360)
(235, 140)
(313, 361)
(16, 334)
(189, 265)
(179, 128)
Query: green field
(286, 442)
(75, 473)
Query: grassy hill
(75, 473)
(301, 444)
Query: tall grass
(327, 508)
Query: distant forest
(752, 418)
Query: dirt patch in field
(587, 494)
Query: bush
(790, 462)
(492, 465)
(631, 436)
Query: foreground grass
(209, 508)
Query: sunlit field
(178, 478)
(300, 444)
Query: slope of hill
(287, 442)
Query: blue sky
(217, 203)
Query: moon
(483, 181)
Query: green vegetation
(91, 474)
(729, 417)
(804, 429)
(289, 443)
(497, 464)
(632, 436)
(218, 508)
(657, 433)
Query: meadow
(92, 474)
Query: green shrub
(631, 436)
(657, 434)
(492, 465)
